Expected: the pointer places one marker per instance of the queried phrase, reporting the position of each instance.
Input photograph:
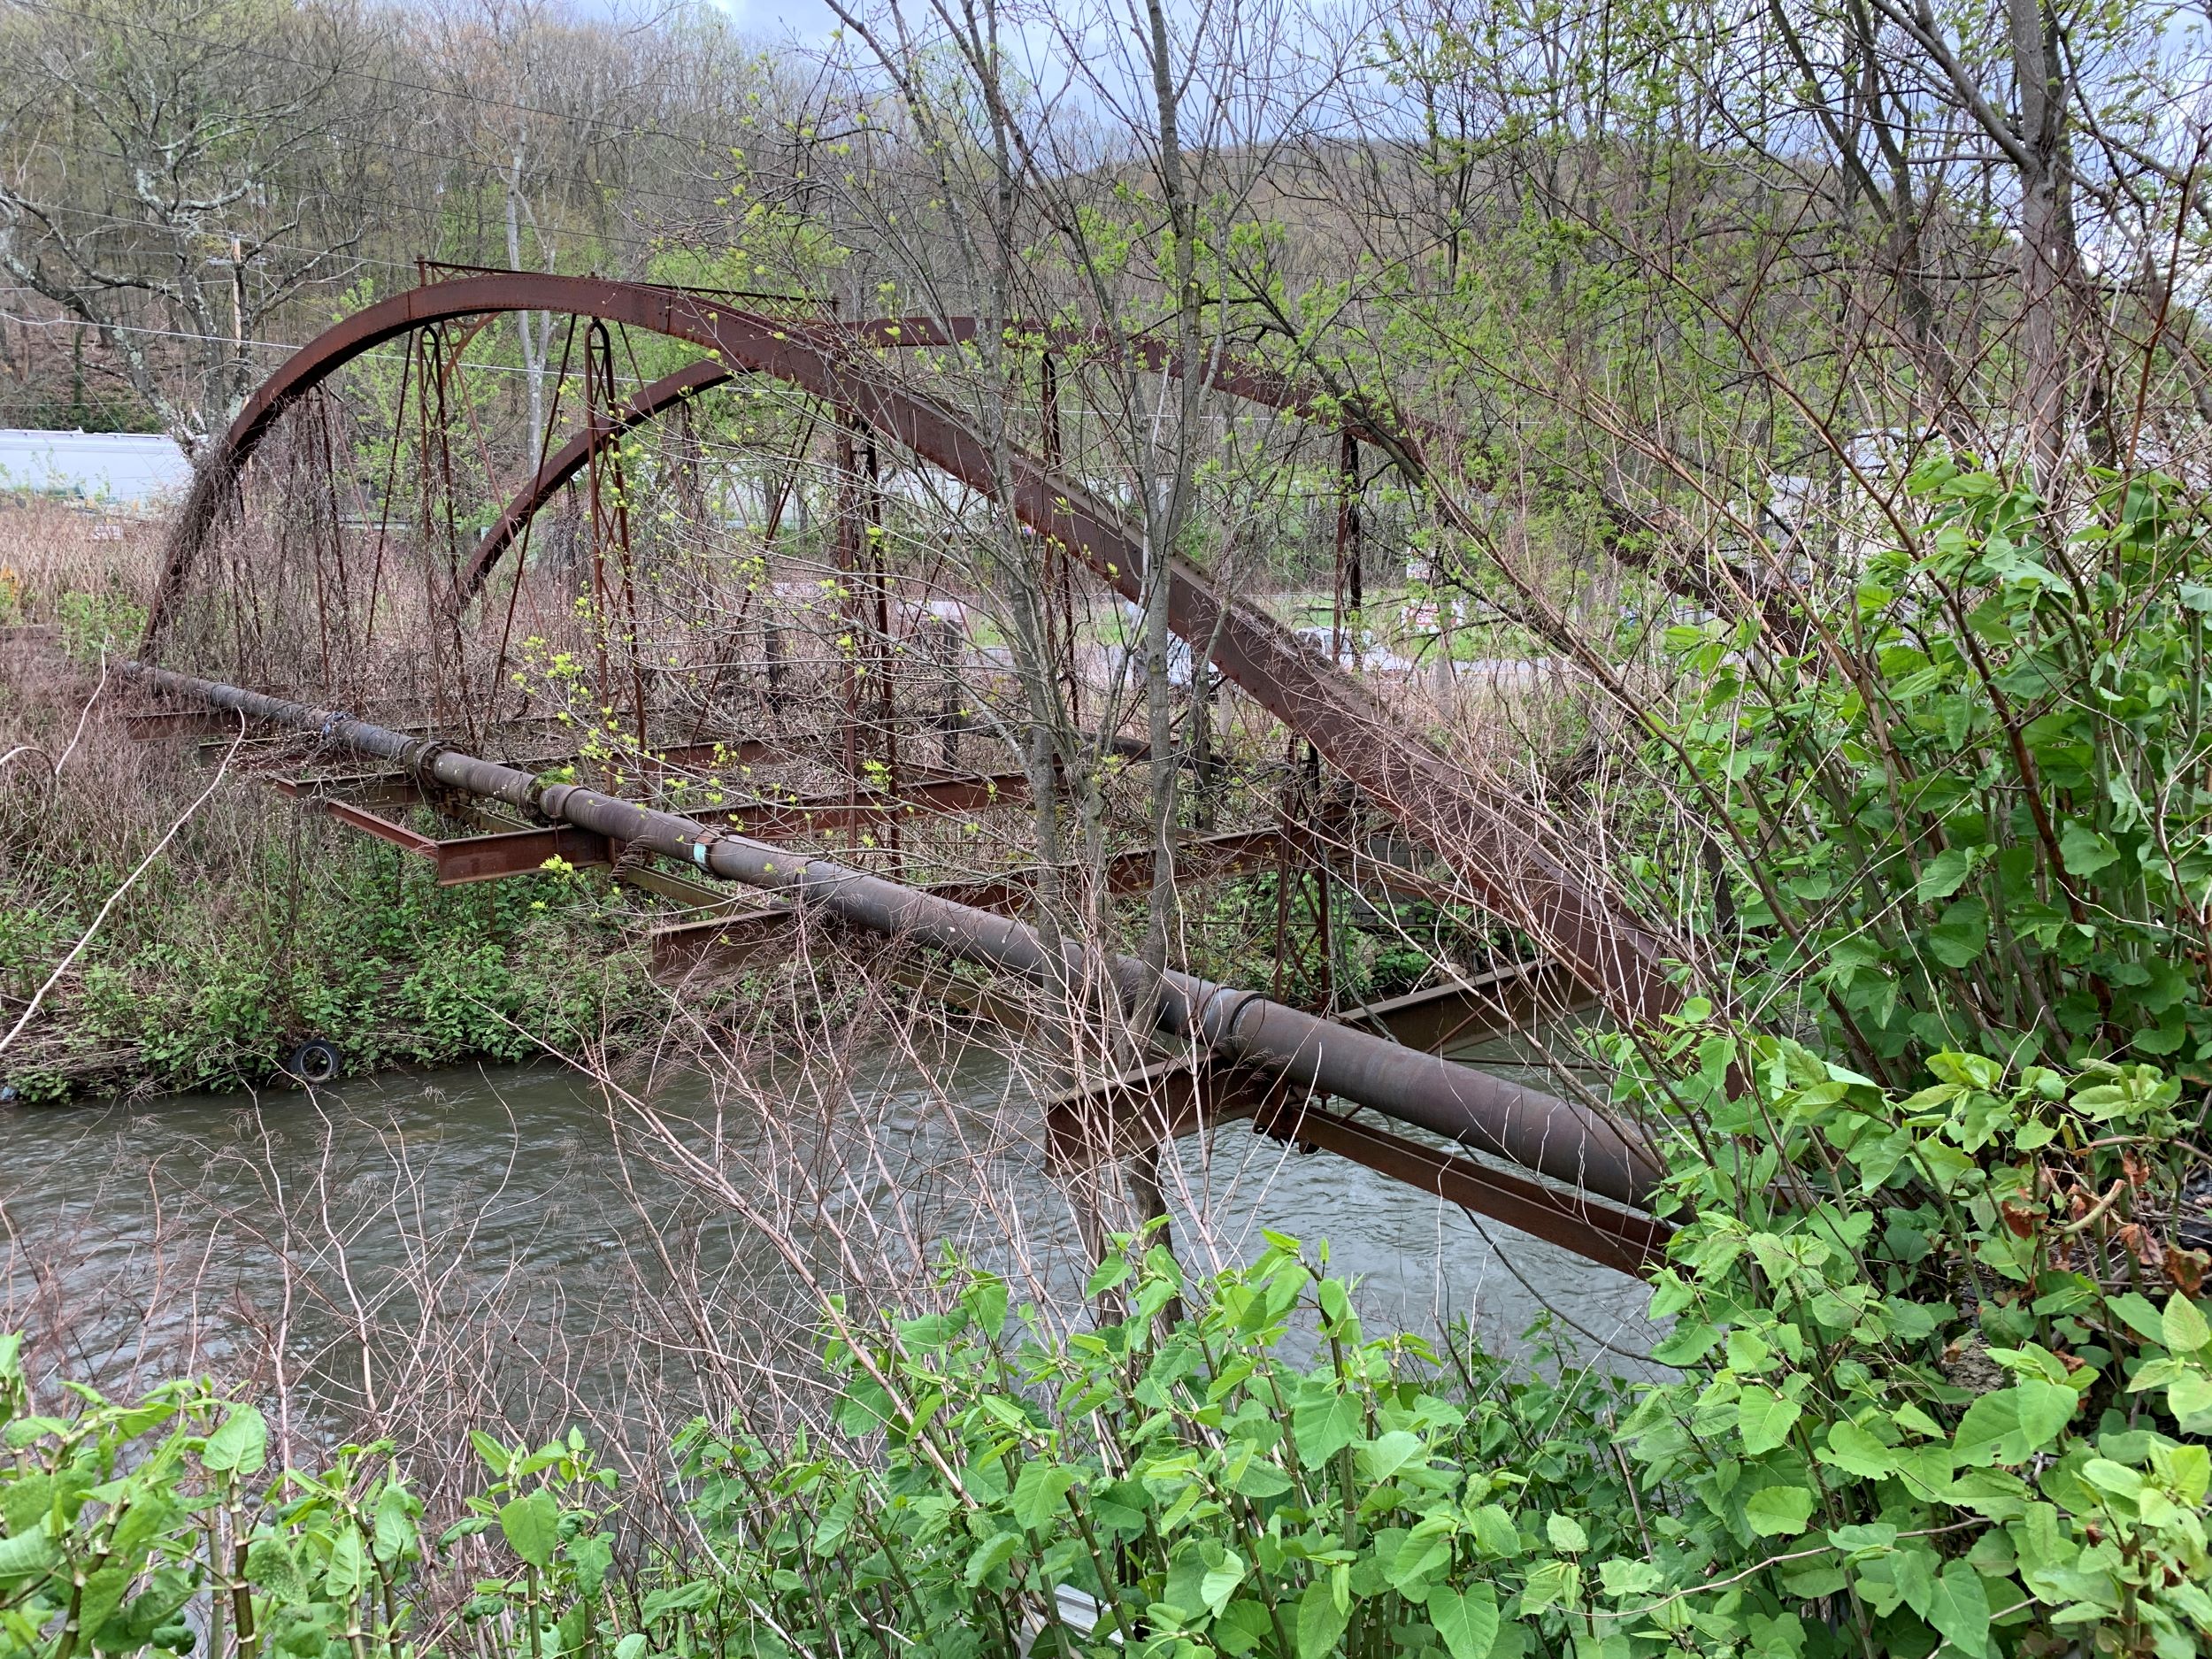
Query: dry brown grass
(49, 548)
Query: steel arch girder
(1254, 384)
(563, 464)
(1491, 838)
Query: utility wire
(283, 346)
(429, 212)
(650, 244)
(489, 168)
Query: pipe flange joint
(420, 756)
(1223, 1035)
(552, 796)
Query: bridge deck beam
(1313, 1057)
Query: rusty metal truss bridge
(352, 545)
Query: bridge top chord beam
(1494, 840)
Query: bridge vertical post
(1315, 834)
(441, 357)
(594, 496)
(940, 641)
(1059, 566)
(848, 539)
(1326, 806)
(1350, 598)
(610, 520)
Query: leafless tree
(173, 176)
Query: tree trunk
(2049, 260)
(1166, 486)
(533, 352)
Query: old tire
(315, 1062)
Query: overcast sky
(774, 20)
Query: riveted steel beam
(1494, 840)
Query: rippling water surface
(511, 1243)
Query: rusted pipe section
(1539, 1131)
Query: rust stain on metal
(1492, 839)
(1309, 1056)
(397, 834)
(517, 852)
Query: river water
(522, 1245)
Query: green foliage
(1970, 809)
(1920, 1405)
(94, 626)
(1925, 1399)
(1923, 1330)
(1204, 1490)
(1931, 1391)
(156, 1526)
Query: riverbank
(261, 925)
(259, 933)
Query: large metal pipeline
(1555, 1137)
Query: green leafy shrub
(1935, 1390)
(1942, 1352)
(94, 626)
(1931, 1390)
(151, 1527)
(1968, 806)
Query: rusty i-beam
(1496, 840)
(1552, 1137)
